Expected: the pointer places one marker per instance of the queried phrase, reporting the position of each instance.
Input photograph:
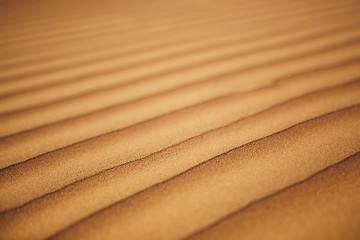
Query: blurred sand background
(179, 119)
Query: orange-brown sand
(179, 119)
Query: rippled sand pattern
(179, 119)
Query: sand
(179, 119)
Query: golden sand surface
(201, 119)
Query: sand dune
(179, 119)
(196, 198)
(324, 202)
(189, 66)
(167, 163)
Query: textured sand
(179, 119)
(326, 201)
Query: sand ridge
(228, 168)
(320, 201)
(176, 119)
(222, 60)
(190, 94)
(163, 163)
(123, 146)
